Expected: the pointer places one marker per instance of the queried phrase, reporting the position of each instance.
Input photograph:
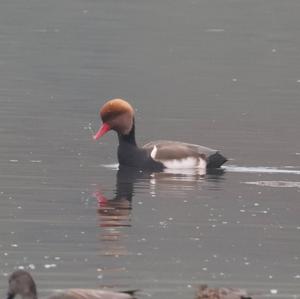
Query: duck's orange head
(116, 115)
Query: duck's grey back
(192, 148)
(167, 149)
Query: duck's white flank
(153, 152)
(189, 162)
(202, 163)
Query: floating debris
(48, 266)
(274, 291)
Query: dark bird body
(118, 115)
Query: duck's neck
(129, 138)
(31, 292)
(128, 152)
(130, 155)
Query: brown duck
(21, 283)
(204, 292)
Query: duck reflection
(183, 180)
(116, 212)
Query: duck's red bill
(104, 128)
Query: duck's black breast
(131, 156)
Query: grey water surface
(221, 73)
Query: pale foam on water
(261, 169)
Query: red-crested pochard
(21, 283)
(118, 115)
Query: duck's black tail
(216, 160)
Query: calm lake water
(221, 73)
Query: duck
(118, 115)
(21, 283)
(205, 292)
